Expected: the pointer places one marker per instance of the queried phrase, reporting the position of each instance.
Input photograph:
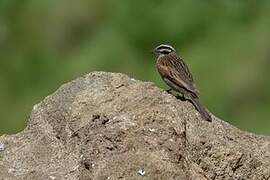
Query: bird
(176, 74)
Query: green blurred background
(45, 43)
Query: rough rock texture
(107, 126)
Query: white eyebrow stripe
(166, 50)
(165, 46)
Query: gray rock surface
(107, 126)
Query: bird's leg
(169, 90)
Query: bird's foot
(181, 97)
(169, 90)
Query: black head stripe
(164, 49)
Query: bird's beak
(154, 51)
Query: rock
(107, 126)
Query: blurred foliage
(44, 44)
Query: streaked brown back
(172, 67)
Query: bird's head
(164, 49)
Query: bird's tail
(201, 109)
